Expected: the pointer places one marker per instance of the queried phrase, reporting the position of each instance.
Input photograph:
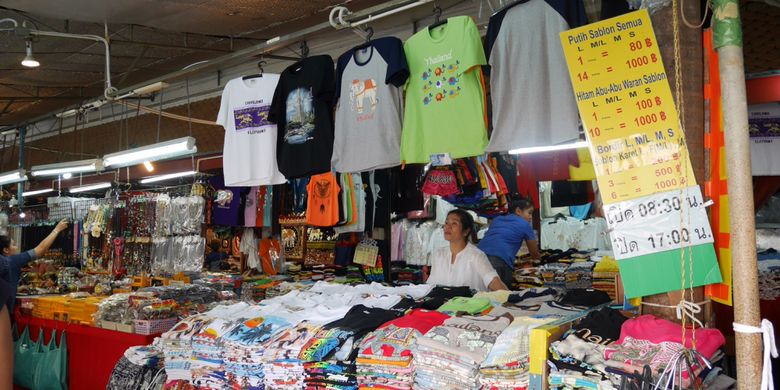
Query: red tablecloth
(92, 352)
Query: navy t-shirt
(505, 236)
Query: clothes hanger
(437, 21)
(369, 34)
(258, 75)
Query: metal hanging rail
(363, 16)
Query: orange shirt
(323, 203)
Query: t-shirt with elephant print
(370, 106)
(466, 336)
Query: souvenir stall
(300, 257)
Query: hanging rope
(168, 114)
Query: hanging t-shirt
(302, 108)
(533, 101)
(445, 96)
(323, 209)
(250, 208)
(369, 109)
(249, 157)
(227, 210)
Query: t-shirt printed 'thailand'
(445, 96)
(249, 157)
(370, 106)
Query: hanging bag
(52, 370)
(26, 359)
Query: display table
(92, 352)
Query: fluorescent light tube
(67, 167)
(538, 149)
(151, 88)
(173, 148)
(37, 192)
(89, 187)
(169, 176)
(16, 176)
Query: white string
(685, 309)
(770, 349)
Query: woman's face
(527, 214)
(453, 229)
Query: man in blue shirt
(505, 237)
(11, 261)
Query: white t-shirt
(471, 268)
(249, 157)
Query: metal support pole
(727, 41)
(20, 185)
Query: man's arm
(47, 242)
(533, 248)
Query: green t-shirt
(445, 95)
(465, 305)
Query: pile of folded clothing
(439, 295)
(177, 347)
(140, 368)
(524, 302)
(528, 277)
(244, 348)
(604, 274)
(285, 287)
(283, 369)
(554, 274)
(769, 276)
(385, 357)
(449, 355)
(579, 275)
(330, 375)
(506, 366)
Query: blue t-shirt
(11, 272)
(505, 236)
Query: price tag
(366, 253)
(657, 223)
(627, 107)
(441, 159)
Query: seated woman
(462, 263)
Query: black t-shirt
(441, 294)
(302, 108)
(600, 327)
(586, 297)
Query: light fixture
(168, 149)
(169, 176)
(29, 61)
(89, 187)
(149, 167)
(80, 166)
(538, 149)
(22, 215)
(16, 176)
(37, 192)
(67, 175)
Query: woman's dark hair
(466, 222)
(215, 245)
(520, 203)
(5, 243)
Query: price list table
(654, 209)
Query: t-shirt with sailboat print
(302, 108)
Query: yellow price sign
(627, 108)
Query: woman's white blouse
(471, 268)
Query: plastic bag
(51, 373)
(26, 358)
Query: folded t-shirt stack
(585, 297)
(385, 357)
(177, 347)
(506, 366)
(647, 340)
(604, 273)
(139, 368)
(330, 375)
(463, 305)
(554, 274)
(282, 369)
(439, 295)
(449, 355)
(244, 349)
(579, 275)
(528, 277)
